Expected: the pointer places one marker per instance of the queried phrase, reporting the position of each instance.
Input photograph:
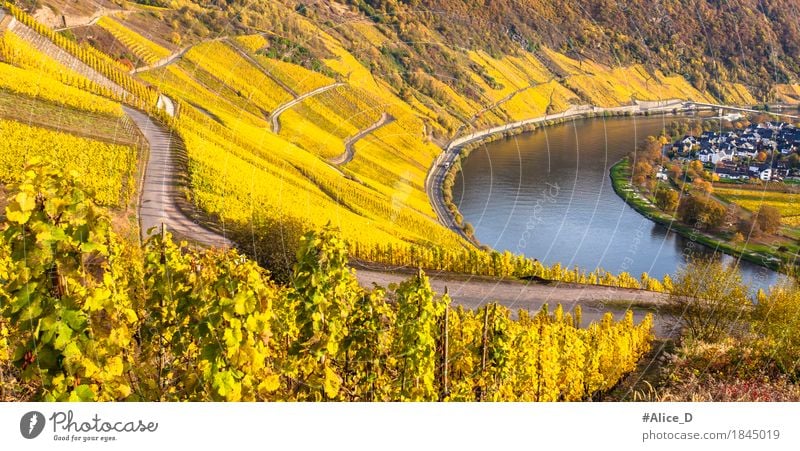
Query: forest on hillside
(748, 41)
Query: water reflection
(547, 194)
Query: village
(767, 151)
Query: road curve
(349, 151)
(442, 163)
(159, 200)
(275, 116)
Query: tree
(749, 228)
(702, 186)
(710, 298)
(778, 316)
(701, 211)
(674, 171)
(794, 160)
(769, 218)
(696, 166)
(667, 199)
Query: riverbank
(446, 166)
(621, 181)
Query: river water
(547, 194)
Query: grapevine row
(143, 96)
(168, 323)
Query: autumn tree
(701, 211)
(748, 228)
(710, 298)
(667, 199)
(768, 218)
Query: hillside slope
(230, 68)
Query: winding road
(349, 151)
(442, 163)
(161, 204)
(275, 116)
(159, 200)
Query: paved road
(690, 105)
(473, 292)
(275, 116)
(349, 150)
(442, 163)
(159, 199)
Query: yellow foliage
(145, 49)
(39, 85)
(18, 52)
(106, 169)
(753, 199)
(249, 82)
(252, 42)
(736, 94)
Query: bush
(710, 299)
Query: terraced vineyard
(144, 49)
(106, 170)
(25, 82)
(273, 311)
(259, 183)
(247, 81)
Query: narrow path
(159, 201)
(275, 116)
(594, 300)
(349, 151)
(171, 58)
(86, 21)
(163, 61)
(260, 67)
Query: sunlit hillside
(267, 104)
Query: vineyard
(377, 200)
(88, 315)
(139, 94)
(143, 48)
(247, 81)
(106, 169)
(605, 86)
(169, 324)
(753, 199)
(28, 83)
(53, 116)
(17, 52)
(502, 265)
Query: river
(547, 194)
